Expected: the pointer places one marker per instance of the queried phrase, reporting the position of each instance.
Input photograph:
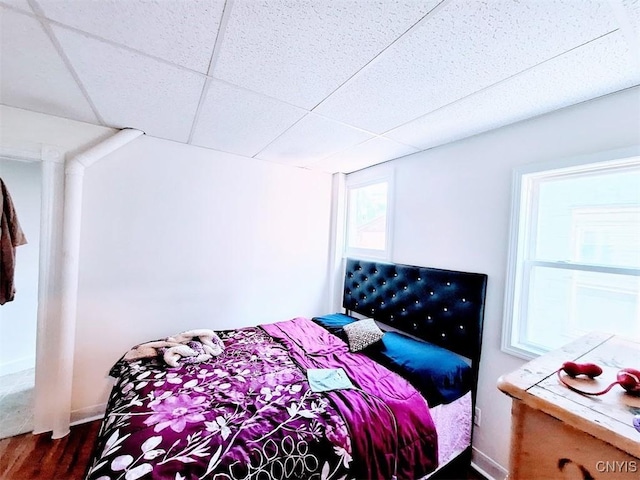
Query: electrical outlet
(476, 417)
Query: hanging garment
(11, 236)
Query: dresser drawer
(546, 448)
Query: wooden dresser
(558, 434)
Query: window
(368, 222)
(574, 263)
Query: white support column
(47, 339)
(74, 173)
(336, 249)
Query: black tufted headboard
(443, 307)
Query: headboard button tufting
(441, 306)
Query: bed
(333, 397)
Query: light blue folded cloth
(324, 379)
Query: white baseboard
(17, 365)
(88, 414)
(487, 466)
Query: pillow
(439, 374)
(334, 323)
(362, 334)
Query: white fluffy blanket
(191, 346)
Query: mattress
(453, 425)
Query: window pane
(368, 217)
(564, 304)
(590, 218)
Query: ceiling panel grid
(312, 139)
(584, 72)
(332, 85)
(465, 47)
(133, 90)
(300, 51)
(237, 120)
(33, 75)
(181, 32)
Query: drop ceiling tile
(464, 47)
(301, 50)
(182, 32)
(371, 152)
(310, 140)
(596, 69)
(32, 73)
(631, 9)
(240, 121)
(20, 4)
(132, 90)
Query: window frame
(362, 179)
(519, 263)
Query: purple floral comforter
(249, 414)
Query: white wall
(452, 211)
(35, 133)
(18, 319)
(177, 237)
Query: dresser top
(608, 417)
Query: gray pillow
(362, 334)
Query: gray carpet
(16, 403)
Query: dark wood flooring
(38, 457)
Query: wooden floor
(31, 457)
(37, 457)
